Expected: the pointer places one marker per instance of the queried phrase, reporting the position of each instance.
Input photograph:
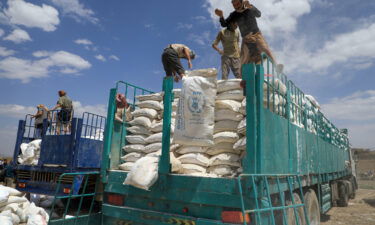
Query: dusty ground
(361, 211)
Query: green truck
(291, 174)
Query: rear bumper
(132, 216)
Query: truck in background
(290, 174)
(78, 150)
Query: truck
(77, 149)
(297, 166)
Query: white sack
(225, 114)
(227, 85)
(150, 104)
(144, 173)
(229, 137)
(177, 93)
(5, 220)
(4, 195)
(193, 169)
(126, 166)
(152, 147)
(194, 158)
(176, 164)
(221, 170)
(132, 157)
(240, 144)
(223, 147)
(225, 125)
(154, 138)
(228, 104)
(150, 113)
(136, 139)
(191, 149)
(231, 95)
(150, 97)
(225, 159)
(242, 127)
(138, 130)
(141, 121)
(134, 148)
(195, 119)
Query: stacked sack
(225, 159)
(144, 136)
(30, 153)
(16, 209)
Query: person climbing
(245, 15)
(230, 55)
(171, 60)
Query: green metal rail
(76, 192)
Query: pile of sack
(94, 134)
(30, 153)
(16, 209)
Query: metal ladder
(264, 211)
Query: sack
(177, 93)
(225, 125)
(134, 148)
(5, 220)
(242, 127)
(225, 159)
(231, 95)
(225, 114)
(157, 127)
(224, 147)
(150, 113)
(132, 157)
(191, 149)
(136, 139)
(150, 104)
(227, 85)
(138, 130)
(229, 137)
(176, 164)
(193, 169)
(221, 170)
(152, 147)
(154, 138)
(195, 114)
(151, 97)
(194, 158)
(228, 104)
(126, 166)
(240, 144)
(144, 173)
(141, 121)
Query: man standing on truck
(41, 114)
(171, 60)
(65, 114)
(230, 55)
(245, 16)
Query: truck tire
(312, 207)
(343, 195)
(290, 212)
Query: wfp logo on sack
(196, 102)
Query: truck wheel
(343, 195)
(290, 212)
(312, 207)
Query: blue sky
(84, 47)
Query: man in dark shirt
(253, 41)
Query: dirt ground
(361, 211)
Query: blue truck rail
(78, 148)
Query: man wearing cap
(230, 55)
(171, 60)
(64, 116)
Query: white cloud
(4, 52)
(114, 57)
(25, 70)
(76, 10)
(100, 57)
(83, 42)
(18, 36)
(186, 26)
(40, 54)
(359, 106)
(98, 109)
(16, 111)
(1, 32)
(201, 39)
(277, 16)
(20, 12)
(355, 48)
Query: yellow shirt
(230, 41)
